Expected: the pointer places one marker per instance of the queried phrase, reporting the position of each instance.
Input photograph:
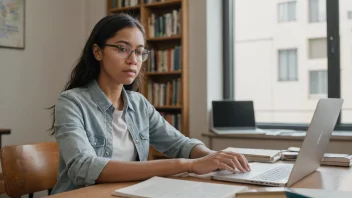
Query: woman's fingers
(245, 162)
(239, 160)
(234, 160)
(224, 166)
(238, 164)
(227, 161)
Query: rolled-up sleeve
(167, 139)
(82, 164)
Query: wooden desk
(4, 132)
(326, 177)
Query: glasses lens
(123, 51)
(145, 55)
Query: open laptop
(308, 160)
(233, 117)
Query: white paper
(160, 187)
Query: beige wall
(31, 79)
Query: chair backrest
(29, 168)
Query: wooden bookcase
(166, 81)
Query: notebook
(278, 192)
(257, 155)
(159, 187)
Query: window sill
(339, 136)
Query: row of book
(168, 24)
(173, 119)
(124, 3)
(153, 1)
(165, 60)
(165, 94)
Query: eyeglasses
(125, 51)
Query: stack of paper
(332, 159)
(257, 155)
(337, 159)
(159, 187)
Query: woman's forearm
(200, 151)
(116, 171)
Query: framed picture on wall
(12, 23)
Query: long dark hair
(87, 68)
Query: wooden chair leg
(30, 195)
(49, 191)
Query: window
(317, 48)
(285, 69)
(318, 83)
(345, 60)
(317, 10)
(287, 11)
(287, 65)
(349, 14)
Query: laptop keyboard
(275, 174)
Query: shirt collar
(103, 101)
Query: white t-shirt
(123, 147)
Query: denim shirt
(83, 131)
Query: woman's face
(117, 62)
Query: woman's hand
(225, 160)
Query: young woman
(104, 128)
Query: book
(160, 187)
(334, 159)
(331, 159)
(257, 155)
(275, 192)
(282, 192)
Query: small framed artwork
(12, 21)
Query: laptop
(308, 160)
(233, 117)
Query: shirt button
(137, 141)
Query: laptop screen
(231, 113)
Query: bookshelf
(166, 70)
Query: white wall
(205, 62)
(31, 79)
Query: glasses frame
(119, 47)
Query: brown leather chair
(29, 168)
(2, 185)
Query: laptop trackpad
(256, 169)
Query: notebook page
(159, 187)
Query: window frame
(309, 13)
(333, 57)
(287, 4)
(316, 95)
(287, 79)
